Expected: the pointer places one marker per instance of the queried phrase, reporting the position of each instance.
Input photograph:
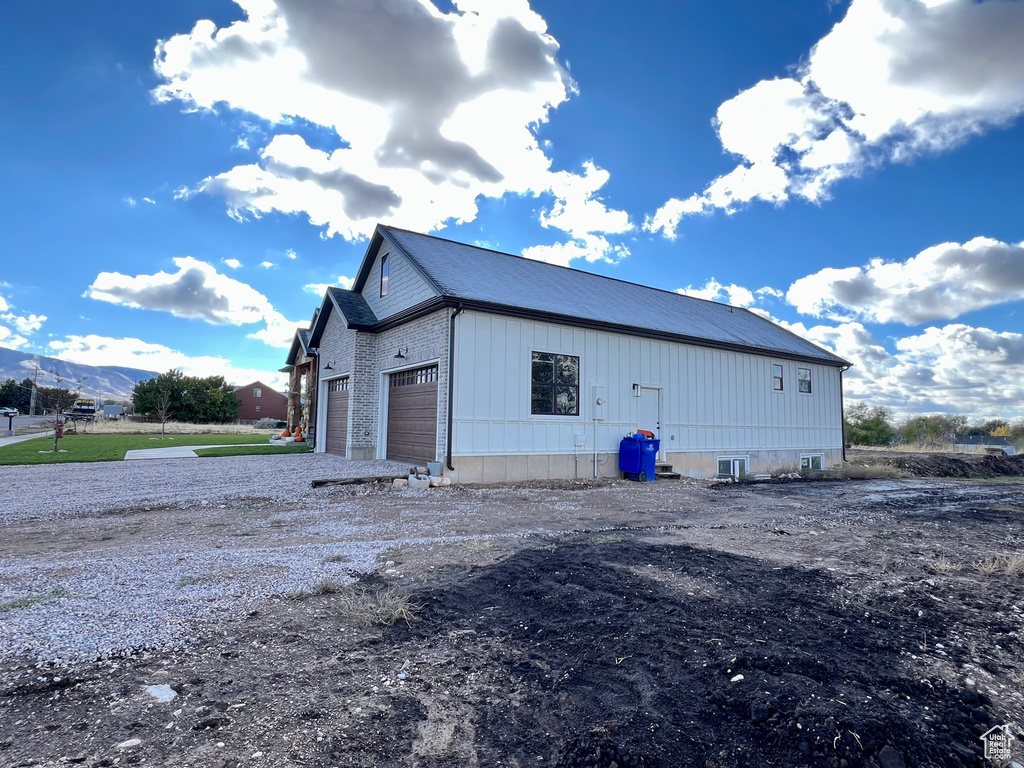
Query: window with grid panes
(554, 384)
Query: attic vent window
(385, 268)
(257, 392)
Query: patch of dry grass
(610, 538)
(1013, 565)
(123, 427)
(944, 566)
(908, 448)
(871, 472)
(327, 587)
(1008, 565)
(361, 605)
(988, 566)
(375, 607)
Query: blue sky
(184, 179)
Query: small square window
(732, 466)
(803, 380)
(257, 408)
(777, 377)
(385, 269)
(555, 384)
(814, 461)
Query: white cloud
(11, 339)
(320, 288)
(666, 219)
(951, 369)
(942, 282)
(268, 264)
(149, 200)
(196, 290)
(279, 331)
(589, 247)
(129, 201)
(135, 353)
(733, 294)
(27, 324)
(447, 115)
(17, 327)
(291, 254)
(892, 80)
(233, 263)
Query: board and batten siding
(711, 400)
(406, 286)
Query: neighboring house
(113, 412)
(504, 368)
(983, 444)
(258, 401)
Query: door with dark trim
(412, 415)
(337, 416)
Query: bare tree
(58, 421)
(163, 407)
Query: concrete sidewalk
(22, 438)
(174, 452)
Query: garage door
(337, 416)
(412, 415)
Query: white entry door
(650, 413)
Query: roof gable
(350, 305)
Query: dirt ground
(958, 465)
(858, 623)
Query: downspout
(842, 415)
(451, 382)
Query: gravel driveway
(119, 555)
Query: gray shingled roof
(476, 274)
(354, 307)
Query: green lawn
(252, 450)
(75, 448)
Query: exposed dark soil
(958, 465)
(830, 624)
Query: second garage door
(412, 415)
(337, 416)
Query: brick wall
(365, 355)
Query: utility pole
(32, 400)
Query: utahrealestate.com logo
(997, 742)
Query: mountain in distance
(103, 382)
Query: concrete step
(667, 475)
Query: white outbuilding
(502, 368)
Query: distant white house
(113, 412)
(984, 444)
(505, 368)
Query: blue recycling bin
(638, 456)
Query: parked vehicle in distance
(9, 411)
(84, 409)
